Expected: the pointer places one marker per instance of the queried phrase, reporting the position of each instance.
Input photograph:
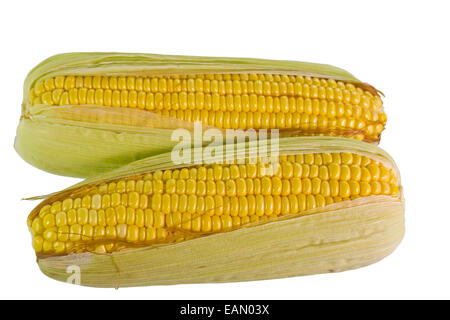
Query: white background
(401, 47)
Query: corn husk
(85, 140)
(337, 237)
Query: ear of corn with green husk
(87, 113)
(328, 204)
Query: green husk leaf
(79, 151)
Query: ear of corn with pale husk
(87, 113)
(320, 232)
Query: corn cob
(129, 225)
(95, 112)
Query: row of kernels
(315, 88)
(271, 206)
(241, 186)
(327, 158)
(206, 223)
(77, 232)
(201, 180)
(248, 169)
(135, 190)
(137, 82)
(347, 189)
(83, 216)
(77, 237)
(258, 120)
(235, 205)
(346, 158)
(199, 100)
(187, 180)
(336, 171)
(102, 201)
(207, 173)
